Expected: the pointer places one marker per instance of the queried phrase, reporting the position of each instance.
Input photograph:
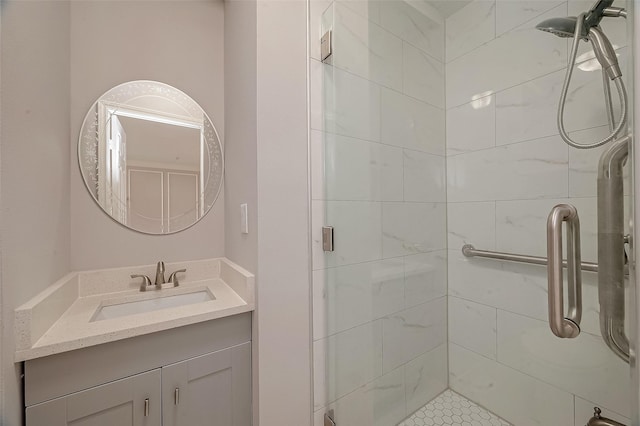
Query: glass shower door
(433, 126)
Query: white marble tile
(532, 169)
(509, 286)
(514, 58)
(473, 326)
(351, 105)
(584, 411)
(590, 304)
(423, 76)
(365, 49)
(348, 296)
(515, 287)
(424, 177)
(528, 111)
(412, 332)
(346, 361)
(471, 223)
(514, 396)
(511, 13)
(425, 277)
(405, 21)
(425, 377)
(379, 403)
(317, 9)
(583, 366)
(410, 228)
(470, 27)
(409, 123)
(358, 229)
(366, 8)
(391, 173)
(583, 164)
(360, 170)
(472, 126)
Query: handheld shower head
(562, 27)
(604, 51)
(566, 27)
(585, 27)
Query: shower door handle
(564, 326)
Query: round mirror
(150, 157)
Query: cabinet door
(134, 401)
(209, 390)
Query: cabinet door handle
(146, 407)
(176, 396)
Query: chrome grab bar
(470, 251)
(561, 325)
(611, 255)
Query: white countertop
(60, 318)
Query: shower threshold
(450, 408)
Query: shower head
(604, 51)
(566, 27)
(562, 27)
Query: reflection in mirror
(150, 157)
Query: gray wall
(34, 177)
(241, 143)
(240, 130)
(175, 42)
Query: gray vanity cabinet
(197, 375)
(209, 390)
(134, 401)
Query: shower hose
(622, 94)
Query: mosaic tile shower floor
(453, 409)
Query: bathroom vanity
(97, 350)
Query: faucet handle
(173, 278)
(146, 281)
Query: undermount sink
(117, 310)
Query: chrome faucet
(160, 275)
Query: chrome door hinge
(328, 419)
(327, 238)
(325, 46)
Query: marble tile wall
(379, 178)
(427, 134)
(506, 168)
